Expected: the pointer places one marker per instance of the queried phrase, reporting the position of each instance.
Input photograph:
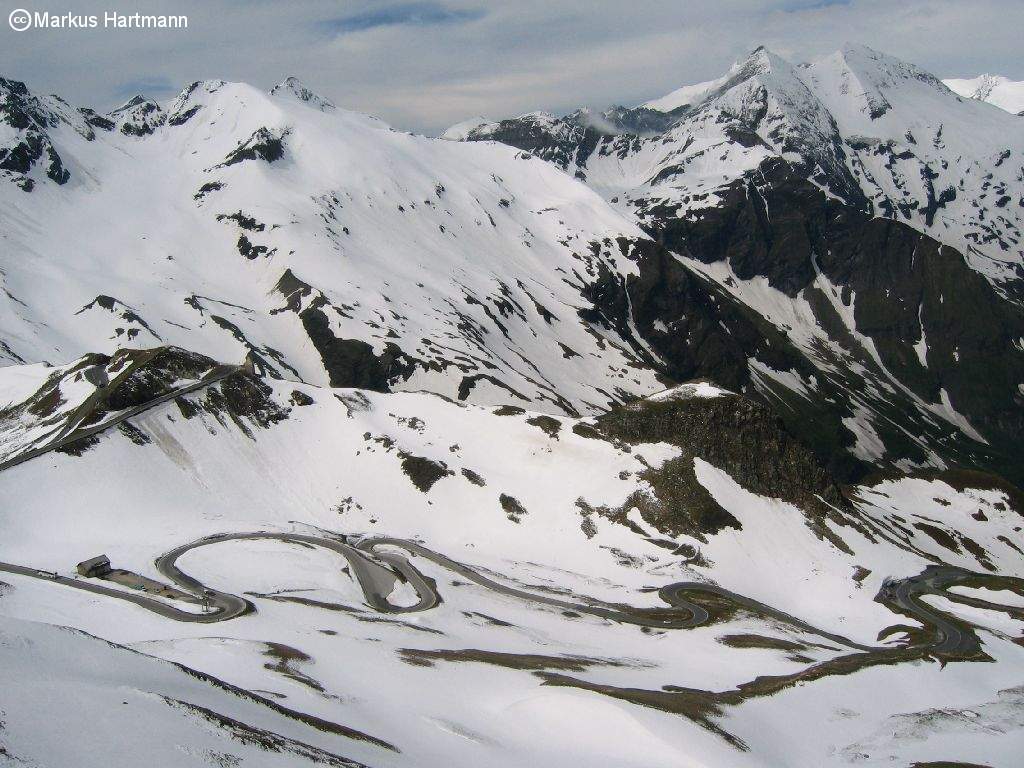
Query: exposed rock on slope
(735, 434)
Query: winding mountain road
(378, 569)
(936, 579)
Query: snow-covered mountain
(879, 133)
(810, 195)
(646, 440)
(995, 89)
(331, 247)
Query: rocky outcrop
(30, 145)
(138, 117)
(352, 362)
(738, 435)
(264, 144)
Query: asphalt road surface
(378, 569)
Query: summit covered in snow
(995, 89)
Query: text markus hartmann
(109, 20)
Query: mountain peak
(138, 116)
(994, 89)
(764, 59)
(293, 87)
(462, 130)
(135, 101)
(859, 50)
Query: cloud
(805, 5)
(425, 65)
(408, 14)
(151, 87)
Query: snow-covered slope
(334, 250)
(596, 513)
(331, 247)
(685, 96)
(74, 699)
(944, 165)
(995, 89)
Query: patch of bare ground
(307, 601)
(283, 661)
(422, 471)
(760, 641)
(702, 706)
(699, 706)
(548, 424)
(739, 436)
(524, 661)
(398, 623)
(473, 477)
(514, 510)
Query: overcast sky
(425, 64)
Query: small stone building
(95, 566)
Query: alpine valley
(678, 434)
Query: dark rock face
(707, 334)
(736, 434)
(351, 362)
(698, 330)
(513, 508)
(560, 141)
(207, 188)
(139, 117)
(96, 121)
(251, 251)
(264, 144)
(156, 376)
(183, 117)
(245, 222)
(242, 396)
(570, 141)
(348, 362)
(31, 145)
(637, 120)
(902, 286)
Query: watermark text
(22, 20)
